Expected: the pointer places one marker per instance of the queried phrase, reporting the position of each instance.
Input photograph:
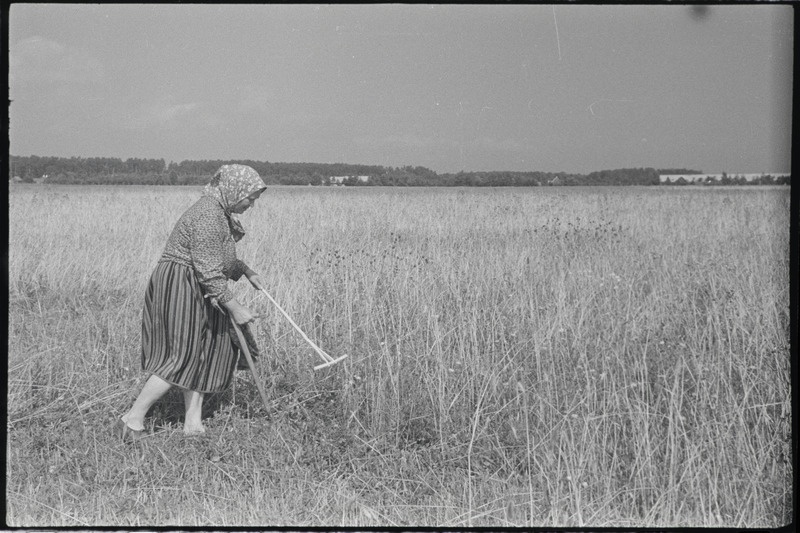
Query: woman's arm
(252, 275)
(207, 250)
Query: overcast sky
(573, 88)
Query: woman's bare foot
(193, 429)
(133, 424)
(193, 423)
(127, 433)
(154, 388)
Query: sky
(550, 88)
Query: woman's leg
(153, 389)
(193, 423)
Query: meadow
(517, 357)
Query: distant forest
(115, 171)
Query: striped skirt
(185, 340)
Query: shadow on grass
(241, 396)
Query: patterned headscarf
(229, 186)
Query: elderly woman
(186, 338)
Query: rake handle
(327, 358)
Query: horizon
(695, 171)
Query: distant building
(702, 178)
(338, 180)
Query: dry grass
(546, 357)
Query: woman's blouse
(202, 240)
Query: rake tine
(329, 363)
(246, 350)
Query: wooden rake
(327, 359)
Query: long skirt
(185, 339)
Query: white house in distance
(338, 180)
(701, 178)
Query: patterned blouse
(205, 236)
(202, 239)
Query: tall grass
(549, 356)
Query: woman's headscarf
(230, 185)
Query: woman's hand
(255, 280)
(241, 314)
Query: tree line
(735, 179)
(134, 171)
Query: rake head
(329, 363)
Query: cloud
(256, 99)
(41, 60)
(500, 145)
(159, 115)
(407, 141)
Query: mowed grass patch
(548, 356)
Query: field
(546, 357)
